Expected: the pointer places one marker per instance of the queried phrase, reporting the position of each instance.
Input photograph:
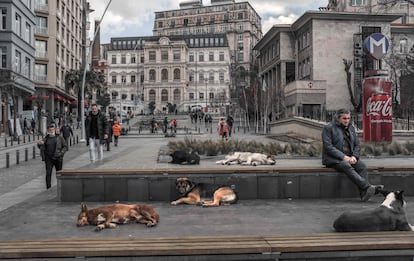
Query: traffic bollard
(7, 160)
(34, 152)
(17, 157)
(26, 154)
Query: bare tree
(94, 81)
(347, 64)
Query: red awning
(31, 98)
(58, 97)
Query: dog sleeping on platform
(110, 216)
(194, 193)
(184, 158)
(389, 216)
(248, 158)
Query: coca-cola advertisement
(377, 109)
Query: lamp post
(83, 135)
(206, 81)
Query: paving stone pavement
(29, 211)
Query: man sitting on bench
(341, 151)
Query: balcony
(41, 54)
(305, 87)
(42, 78)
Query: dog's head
(193, 158)
(271, 159)
(183, 185)
(83, 216)
(393, 199)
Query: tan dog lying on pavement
(247, 158)
(110, 215)
(193, 193)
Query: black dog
(182, 157)
(389, 216)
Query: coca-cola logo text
(379, 107)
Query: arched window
(164, 75)
(152, 75)
(177, 74)
(164, 95)
(151, 96)
(177, 96)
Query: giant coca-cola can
(377, 108)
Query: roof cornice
(343, 16)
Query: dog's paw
(254, 164)
(174, 203)
(151, 224)
(99, 227)
(112, 225)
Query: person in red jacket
(116, 131)
(223, 129)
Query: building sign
(377, 45)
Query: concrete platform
(28, 211)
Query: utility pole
(81, 102)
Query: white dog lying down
(248, 158)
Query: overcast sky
(136, 17)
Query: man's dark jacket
(333, 143)
(102, 126)
(61, 147)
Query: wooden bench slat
(205, 245)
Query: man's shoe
(368, 193)
(378, 188)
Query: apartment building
(17, 25)
(303, 63)
(58, 42)
(402, 7)
(238, 21)
(173, 73)
(125, 72)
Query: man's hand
(40, 142)
(105, 136)
(350, 160)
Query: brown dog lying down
(110, 216)
(193, 193)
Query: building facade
(303, 64)
(59, 49)
(403, 8)
(173, 73)
(17, 25)
(238, 21)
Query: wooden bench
(270, 247)
(267, 182)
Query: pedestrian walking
(230, 121)
(223, 129)
(116, 131)
(33, 125)
(96, 129)
(165, 122)
(52, 148)
(66, 132)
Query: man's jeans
(357, 173)
(95, 145)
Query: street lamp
(206, 81)
(83, 134)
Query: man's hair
(341, 111)
(94, 104)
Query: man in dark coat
(52, 148)
(96, 129)
(66, 131)
(341, 151)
